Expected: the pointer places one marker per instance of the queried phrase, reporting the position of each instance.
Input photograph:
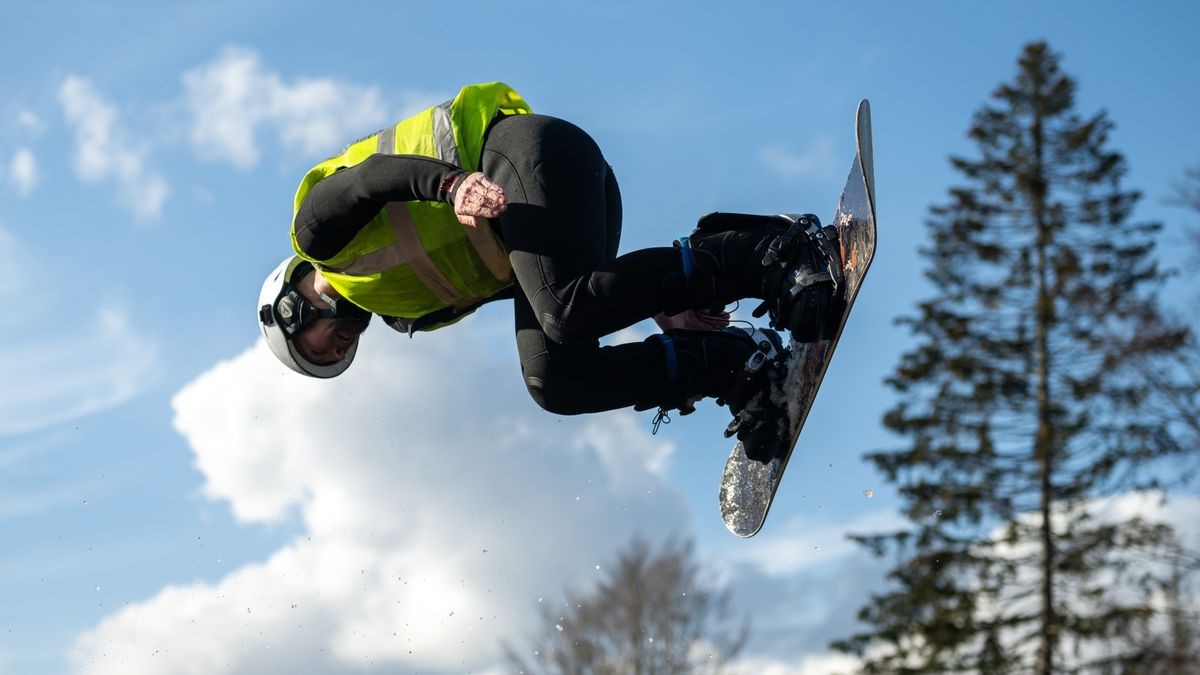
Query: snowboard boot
(789, 262)
(700, 364)
(741, 368)
(761, 416)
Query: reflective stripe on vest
(443, 135)
(407, 250)
(489, 250)
(385, 143)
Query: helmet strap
(346, 310)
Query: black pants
(562, 228)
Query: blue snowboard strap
(672, 358)
(668, 346)
(685, 251)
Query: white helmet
(283, 312)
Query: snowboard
(748, 486)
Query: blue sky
(169, 496)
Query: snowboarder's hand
(478, 197)
(693, 319)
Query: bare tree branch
(653, 613)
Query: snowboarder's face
(325, 341)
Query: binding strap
(672, 365)
(686, 255)
(672, 357)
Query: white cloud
(230, 102)
(1179, 512)
(29, 448)
(801, 584)
(106, 150)
(810, 565)
(815, 664)
(94, 359)
(234, 97)
(1149, 506)
(621, 443)
(29, 121)
(438, 504)
(817, 161)
(23, 170)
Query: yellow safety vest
(414, 259)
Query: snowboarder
(479, 199)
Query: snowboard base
(748, 486)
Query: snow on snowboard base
(748, 486)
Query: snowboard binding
(805, 265)
(789, 261)
(760, 412)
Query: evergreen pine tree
(1023, 406)
(1181, 385)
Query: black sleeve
(339, 206)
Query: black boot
(701, 364)
(762, 419)
(790, 263)
(744, 369)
